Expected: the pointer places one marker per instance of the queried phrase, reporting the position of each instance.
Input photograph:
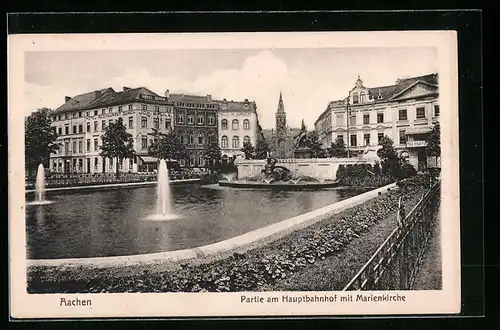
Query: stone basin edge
(250, 239)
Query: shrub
(362, 175)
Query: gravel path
(430, 273)
(332, 274)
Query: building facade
(323, 125)
(80, 123)
(281, 140)
(195, 125)
(405, 112)
(238, 123)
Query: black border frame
(468, 24)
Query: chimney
(67, 98)
(97, 94)
(167, 93)
(125, 88)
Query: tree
(117, 143)
(407, 169)
(433, 147)
(39, 140)
(389, 158)
(249, 150)
(261, 149)
(168, 147)
(338, 148)
(212, 155)
(313, 143)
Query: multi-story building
(81, 120)
(195, 125)
(405, 112)
(323, 125)
(238, 123)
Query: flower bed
(248, 271)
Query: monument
(301, 144)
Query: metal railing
(395, 264)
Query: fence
(394, 266)
(85, 179)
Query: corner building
(406, 112)
(195, 125)
(81, 120)
(238, 123)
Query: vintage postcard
(233, 174)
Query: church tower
(281, 129)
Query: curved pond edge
(116, 185)
(252, 239)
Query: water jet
(163, 202)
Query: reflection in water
(110, 223)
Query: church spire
(281, 107)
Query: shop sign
(416, 144)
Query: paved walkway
(429, 276)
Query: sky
(307, 78)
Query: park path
(333, 273)
(429, 276)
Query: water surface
(111, 223)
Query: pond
(111, 223)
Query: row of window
(193, 161)
(78, 129)
(78, 147)
(196, 105)
(235, 141)
(79, 114)
(366, 138)
(200, 119)
(235, 124)
(78, 164)
(188, 139)
(402, 116)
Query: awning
(418, 130)
(148, 159)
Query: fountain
(163, 203)
(227, 177)
(40, 187)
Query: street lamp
(348, 111)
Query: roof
(104, 98)
(82, 101)
(192, 98)
(124, 97)
(388, 92)
(237, 106)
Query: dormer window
(362, 97)
(355, 98)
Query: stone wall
(318, 168)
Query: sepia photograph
(294, 173)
